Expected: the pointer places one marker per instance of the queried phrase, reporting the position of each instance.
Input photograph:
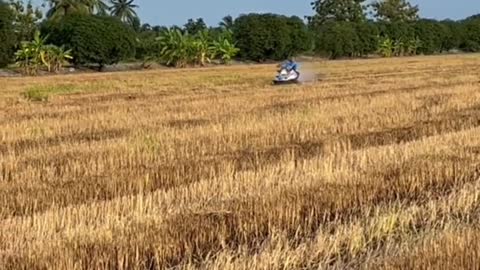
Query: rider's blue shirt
(290, 66)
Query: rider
(291, 65)
(288, 70)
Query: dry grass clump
(376, 166)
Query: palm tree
(227, 22)
(124, 9)
(96, 6)
(60, 8)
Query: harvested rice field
(375, 166)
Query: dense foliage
(7, 34)
(470, 35)
(103, 33)
(195, 26)
(26, 18)
(395, 11)
(268, 36)
(352, 39)
(340, 31)
(93, 39)
(338, 11)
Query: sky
(163, 12)
(177, 12)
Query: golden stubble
(374, 166)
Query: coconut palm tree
(227, 22)
(60, 8)
(97, 7)
(124, 9)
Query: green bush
(93, 39)
(432, 34)
(147, 49)
(346, 39)
(7, 35)
(300, 37)
(453, 34)
(268, 36)
(368, 38)
(396, 30)
(336, 39)
(470, 40)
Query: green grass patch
(42, 93)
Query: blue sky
(178, 11)
(168, 12)
(212, 11)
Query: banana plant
(26, 60)
(34, 54)
(399, 47)
(224, 49)
(386, 47)
(175, 47)
(39, 49)
(181, 49)
(57, 57)
(202, 48)
(413, 45)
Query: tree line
(351, 28)
(94, 32)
